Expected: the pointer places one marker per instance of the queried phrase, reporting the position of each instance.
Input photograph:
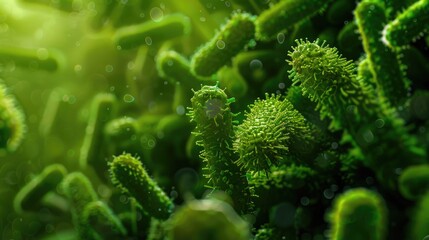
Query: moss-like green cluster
(214, 119)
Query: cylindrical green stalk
(152, 32)
(359, 214)
(128, 174)
(330, 80)
(103, 109)
(79, 191)
(420, 223)
(407, 26)
(414, 182)
(285, 14)
(212, 114)
(102, 221)
(30, 196)
(391, 82)
(39, 59)
(228, 42)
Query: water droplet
(156, 14)
(369, 180)
(220, 44)
(148, 40)
(202, 19)
(368, 136)
(128, 98)
(305, 201)
(256, 64)
(109, 68)
(282, 85)
(180, 110)
(334, 145)
(328, 194)
(77, 68)
(280, 38)
(379, 123)
(227, 3)
(42, 54)
(131, 65)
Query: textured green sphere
(270, 134)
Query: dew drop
(128, 98)
(156, 14)
(42, 54)
(77, 68)
(256, 64)
(280, 38)
(109, 68)
(220, 44)
(180, 110)
(148, 40)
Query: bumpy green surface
(244, 130)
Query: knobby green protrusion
(30, 196)
(331, 81)
(414, 182)
(128, 174)
(103, 109)
(359, 214)
(285, 14)
(102, 222)
(384, 64)
(41, 58)
(153, 32)
(212, 114)
(273, 133)
(12, 124)
(232, 38)
(408, 26)
(80, 192)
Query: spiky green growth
(12, 125)
(330, 80)
(212, 114)
(285, 14)
(407, 26)
(272, 133)
(101, 220)
(384, 64)
(203, 219)
(41, 58)
(420, 223)
(128, 174)
(414, 182)
(152, 32)
(80, 192)
(30, 196)
(103, 109)
(359, 214)
(232, 38)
